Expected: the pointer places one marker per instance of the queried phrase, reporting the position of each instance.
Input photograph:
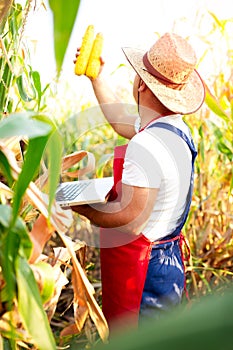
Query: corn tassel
(85, 51)
(93, 66)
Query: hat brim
(185, 100)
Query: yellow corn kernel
(93, 66)
(85, 51)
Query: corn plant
(20, 297)
(31, 282)
(20, 87)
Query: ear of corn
(85, 51)
(93, 66)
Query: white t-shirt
(158, 158)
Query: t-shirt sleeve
(141, 166)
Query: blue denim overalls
(165, 278)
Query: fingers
(102, 62)
(76, 54)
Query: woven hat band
(156, 73)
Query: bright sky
(123, 23)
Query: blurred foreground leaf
(205, 325)
(31, 309)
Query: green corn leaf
(213, 104)
(14, 240)
(202, 144)
(7, 344)
(25, 247)
(6, 169)
(23, 124)
(222, 142)
(30, 167)
(37, 84)
(5, 84)
(36, 80)
(9, 248)
(54, 151)
(231, 183)
(15, 20)
(223, 148)
(31, 308)
(64, 14)
(207, 322)
(26, 89)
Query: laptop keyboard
(70, 191)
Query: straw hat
(168, 69)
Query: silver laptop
(83, 191)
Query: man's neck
(148, 115)
(150, 108)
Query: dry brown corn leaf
(15, 169)
(61, 257)
(73, 158)
(6, 191)
(13, 143)
(4, 8)
(39, 235)
(94, 310)
(69, 330)
(80, 301)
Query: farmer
(142, 269)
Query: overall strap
(194, 154)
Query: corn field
(49, 263)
